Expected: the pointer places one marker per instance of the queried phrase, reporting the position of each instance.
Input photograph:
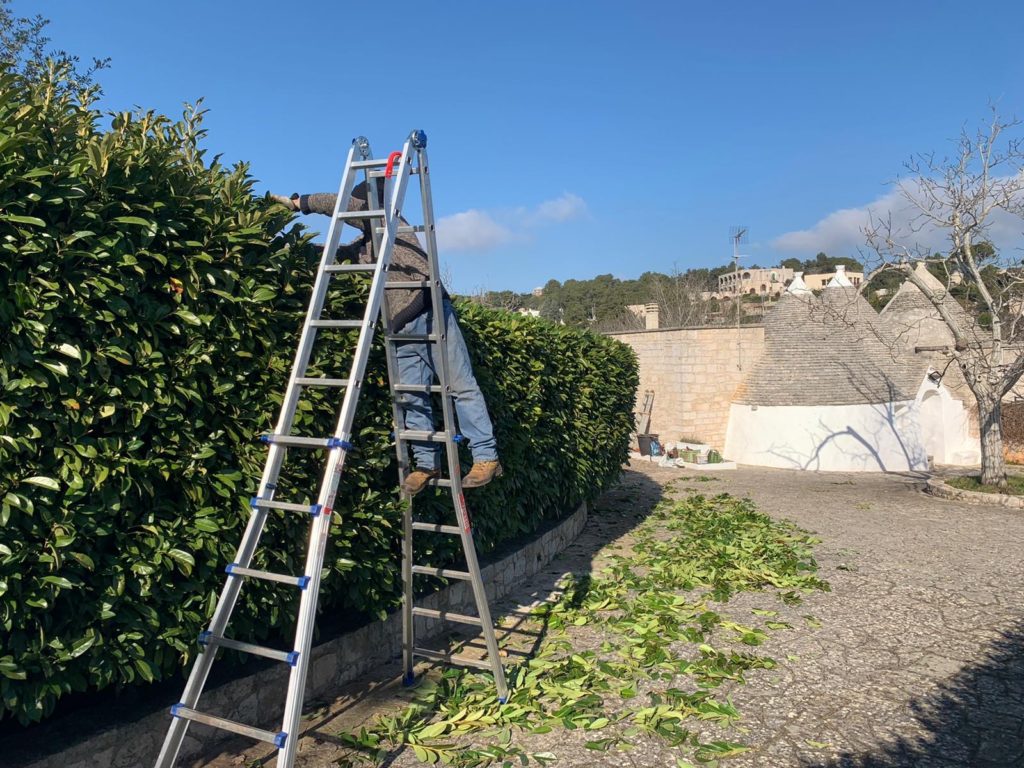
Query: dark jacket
(408, 259)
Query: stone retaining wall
(694, 373)
(258, 699)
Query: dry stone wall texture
(694, 373)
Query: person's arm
(323, 202)
(319, 202)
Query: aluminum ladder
(395, 172)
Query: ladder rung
(288, 657)
(424, 388)
(381, 174)
(442, 573)
(422, 436)
(462, 618)
(322, 382)
(306, 442)
(337, 323)
(350, 268)
(440, 482)
(379, 163)
(436, 528)
(296, 581)
(468, 661)
(186, 713)
(407, 284)
(404, 229)
(309, 509)
(376, 213)
(400, 337)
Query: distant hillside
(602, 302)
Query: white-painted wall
(945, 426)
(836, 438)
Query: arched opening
(933, 432)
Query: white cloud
(476, 230)
(470, 231)
(564, 208)
(842, 232)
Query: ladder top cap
(418, 139)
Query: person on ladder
(409, 311)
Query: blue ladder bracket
(337, 442)
(280, 739)
(303, 582)
(204, 637)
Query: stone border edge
(258, 698)
(936, 486)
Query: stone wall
(97, 739)
(694, 373)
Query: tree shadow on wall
(864, 446)
(975, 718)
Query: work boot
(417, 480)
(481, 473)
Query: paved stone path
(919, 660)
(916, 657)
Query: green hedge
(150, 305)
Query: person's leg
(470, 407)
(414, 367)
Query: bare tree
(963, 198)
(509, 301)
(680, 300)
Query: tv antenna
(738, 234)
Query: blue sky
(578, 138)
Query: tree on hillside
(965, 197)
(823, 263)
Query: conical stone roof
(828, 350)
(913, 319)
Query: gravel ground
(916, 657)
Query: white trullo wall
(839, 438)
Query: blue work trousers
(416, 366)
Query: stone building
(820, 280)
(948, 416)
(826, 383)
(755, 282)
(828, 393)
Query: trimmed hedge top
(151, 307)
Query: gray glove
(292, 204)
